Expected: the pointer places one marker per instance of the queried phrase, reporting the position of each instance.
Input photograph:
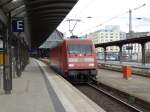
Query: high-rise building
(109, 34)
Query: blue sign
(17, 24)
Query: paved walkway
(137, 86)
(29, 93)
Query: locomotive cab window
(77, 48)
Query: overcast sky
(107, 12)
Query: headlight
(91, 64)
(71, 65)
(72, 60)
(88, 59)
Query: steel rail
(115, 98)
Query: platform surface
(29, 93)
(133, 64)
(137, 86)
(40, 90)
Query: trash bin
(127, 71)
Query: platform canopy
(41, 16)
(53, 40)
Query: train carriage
(75, 59)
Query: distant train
(75, 59)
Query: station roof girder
(45, 15)
(42, 16)
(139, 40)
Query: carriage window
(77, 48)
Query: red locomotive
(75, 59)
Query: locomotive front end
(81, 59)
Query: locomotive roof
(78, 40)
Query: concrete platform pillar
(120, 53)
(105, 54)
(18, 68)
(143, 53)
(7, 59)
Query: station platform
(40, 90)
(132, 64)
(136, 86)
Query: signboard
(18, 24)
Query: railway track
(107, 101)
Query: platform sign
(17, 24)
